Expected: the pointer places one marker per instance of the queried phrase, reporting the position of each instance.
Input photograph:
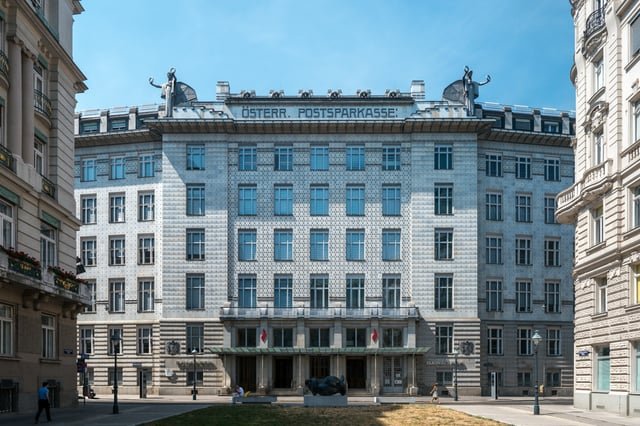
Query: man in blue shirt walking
(43, 401)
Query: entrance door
(283, 372)
(357, 373)
(392, 374)
(319, 366)
(246, 372)
(144, 378)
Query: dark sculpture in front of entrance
(328, 386)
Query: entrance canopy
(318, 351)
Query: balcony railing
(595, 22)
(6, 158)
(4, 65)
(308, 312)
(41, 103)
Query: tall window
(444, 339)
(391, 200)
(116, 250)
(247, 291)
(247, 240)
(110, 376)
(195, 291)
(523, 250)
(246, 338)
(553, 342)
(114, 340)
(355, 244)
(6, 224)
(523, 167)
(443, 292)
(443, 244)
(146, 250)
(493, 205)
(443, 199)
(355, 157)
(443, 157)
(283, 291)
(88, 169)
(603, 369)
(195, 157)
(319, 158)
(195, 200)
(88, 209)
(116, 296)
(355, 291)
(48, 246)
(392, 338)
(195, 338)
(552, 252)
(145, 340)
(552, 296)
(319, 291)
(318, 337)
(355, 200)
(523, 208)
(494, 250)
(247, 201)
(493, 164)
(636, 120)
(6, 330)
(551, 169)
(283, 337)
(319, 240)
(635, 207)
(146, 166)
(597, 220)
(145, 295)
(48, 337)
(86, 340)
(390, 158)
(598, 148)
(391, 244)
(146, 206)
(356, 338)
(598, 75)
(524, 341)
(637, 366)
(319, 200)
(494, 341)
(523, 296)
(635, 286)
(195, 244)
(390, 291)
(494, 296)
(116, 208)
(247, 158)
(283, 158)
(549, 209)
(283, 200)
(91, 287)
(39, 155)
(117, 168)
(601, 296)
(88, 251)
(283, 244)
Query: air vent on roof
(248, 93)
(276, 93)
(363, 93)
(303, 93)
(334, 94)
(392, 93)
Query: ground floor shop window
(603, 369)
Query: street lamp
(195, 376)
(536, 338)
(456, 352)
(115, 340)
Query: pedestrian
(43, 402)
(434, 393)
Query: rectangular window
(522, 124)
(443, 292)
(444, 339)
(552, 296)
(635, 207)
(319, 158)
(116, 296)
(524, 378)
(199, 377)
(283, 158)
(523, 207)
(146, 250)
(444, 378)
(443, 157)
(637, 366)
(145, 340)
(247, 158)
(552, 378)
(494, 341)
(598, 148)
(115, 341)
(283, 291)
(48, 246)
(550, 126)
(553, 342)
(355, 244)
(318, 337)
(146, 166)
(283, 244)
(355, 158)
(443, 199)
(391, 200)
(355, 200)
(493, 206)
(390, 158)
(110, 376)
(88, 207)
(494, 296)
(391, 244)
(523, 167)
(603, 369)
(91, 287)
(247, 200)
(524, 341)
(319, 291)
(247, 291)
(390, 291)
(195, 244)
(88, 248)
(88, 168)
(118, 124)
(89, 127)
(319, 200)
(116, 208)
(356, 338)
(493, 164)
(246, 338)
(116, 250)
(634, 35)
(247, 241)
(635, 287)
(195, 157)
(6, 330)
(392, 338)
(146, 206)
(636, 121)
(86, 340)
(195, 338)
(597, 223)
(551, 169)
(443, 244)
(523, 251)
(494, 250)
(195, 200)
(523, 296)
(195, 291)
(549, 209)
(319, 241)
(598, 75)
(355, 291)
(601, 296)
(552, 252)
(117, 168)
(146, 302)
(283, 200)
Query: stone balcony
(233, 312)
(594, 183)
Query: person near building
(434, 394)
(43, 402)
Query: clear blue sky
(526, 46)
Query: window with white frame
(493, 250)
(116, 208)
(635, 207)
(195, 200)
(603, 369)
(88, 169)
(283, 158)
(523, 167)
(247, 200)
(601, 295)
(523, 296)
(146, 206)
(146, 295)
(39, 156)
(524, 341)
(195, 338)
(319, 291)
(49, 349)
(523, 251)
(549, 209)
(116, 250)
(552, 296)
(195, 291)
(443, 243)
(146, 249)
(494, 341)
(247, 240)
(598, 75)
(117, 169)
(195, 157)
(390, 291)
(444, 339)
(247, 158)
(551, 252)
(636, 363)
(494, 295)
(635, 284)
(7, 224)
(283, 200)
(319, 158)
(355, 291)
(493, 205)
(443, 157)
(48, 246)
(634, 37)
(355, 200)
(195, 244)
(88, 209)
(523, 207)
(598, 148)
(283, 291)
(553, 342)
(443, 199)
(390, 158)
(146, 166)
(391, 248)
(551, 169)
(355, 244)
(390, 200)
(86, 340)
(636, 121)
(597, 224)
(145, 340)
(355, 157)
(443, 291)
(91, 287)
(319, 196)
(88, 247)
(283, 244)
(319, 242)
(493, 165)
(247, 291)
(6, 330)
(116, 296)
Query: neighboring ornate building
(273, 238)
(604, 204)
(38, 299)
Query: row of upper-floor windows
(524, 290)
(551, 341)
(117, 167)
(522, 167)
(596, 232)
(522, 207)
(47, 337)
(525, 123)
(115, 123)
(117, 207)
